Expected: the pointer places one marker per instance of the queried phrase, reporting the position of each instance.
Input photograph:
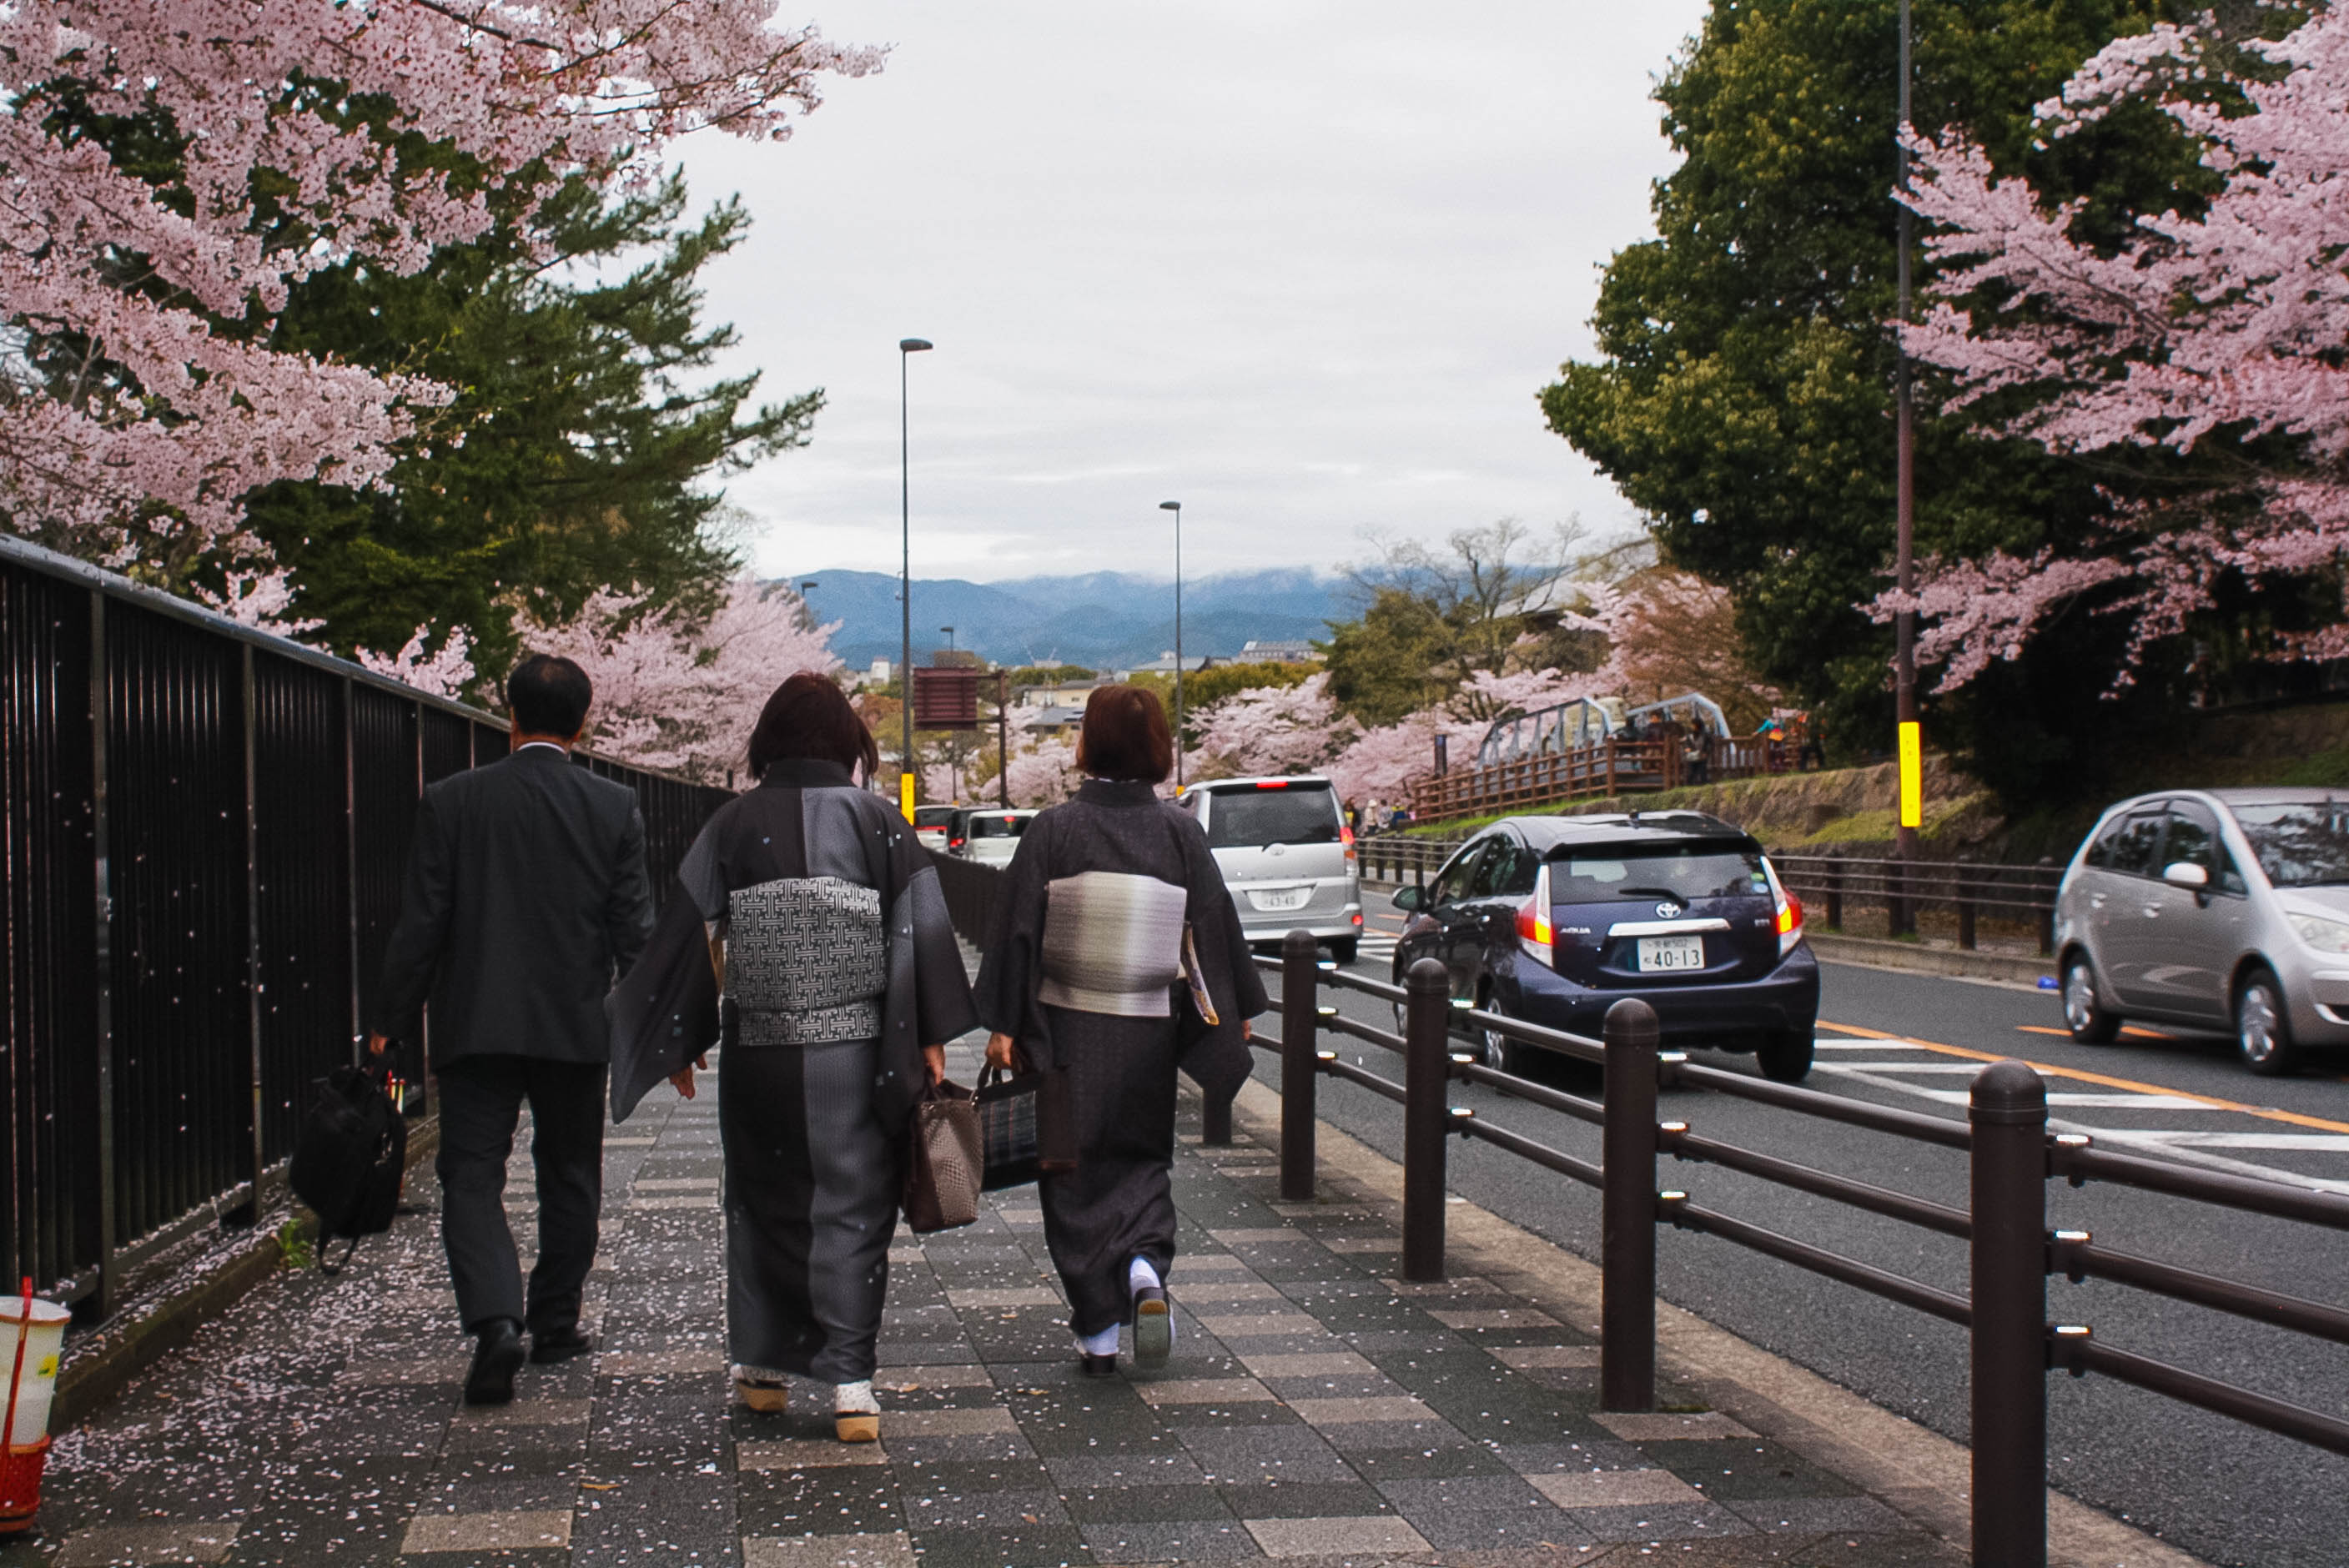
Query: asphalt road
(2225, 1492)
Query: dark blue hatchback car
(1554, 919)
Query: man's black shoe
(497, 1356)
(559, 1344)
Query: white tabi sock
(855, 1399)
(1102, 1344)
(1141, 1276)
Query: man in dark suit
(526, 898)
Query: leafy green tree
(1743, 395)
(582, 446)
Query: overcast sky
(1301, 266)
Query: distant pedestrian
(1116, 927)
(525, 897)
(842, 983)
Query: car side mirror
(2187, 875)
(1407, 898)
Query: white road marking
(2325, 1142)
(2092, 1101)
(1953, 1069)
(1866, 1046)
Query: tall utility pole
(907, 348)
(1904, 624)
(1176, 508)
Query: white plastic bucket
(45, 1340)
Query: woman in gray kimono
(1119, 958)
(842, 985)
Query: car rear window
(1251, 819)
(2305, 844)
(998, 827)
(934, 816)
(1608, 874)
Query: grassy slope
(1854, 807)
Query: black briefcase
(349, 1160)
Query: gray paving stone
(1328, 1537)
(513, 1531)
(141, 1544)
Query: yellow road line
(2265, 1112)
(2131, 1030)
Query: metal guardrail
(2012, 1158)
(202, 832)
(1833, 883)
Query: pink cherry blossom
(445, 671)
(148, 448)
(2213, 330)
(679, 696)
(1044, 773)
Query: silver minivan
(1288, 856)
(2223, 908)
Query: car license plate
(1274, 901)
(1670, 954)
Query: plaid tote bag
(1011, 1150)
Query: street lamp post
(1176, 508)
(1904, 624)
(907, 348)
(949, 631)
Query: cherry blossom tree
(141, 409)
(444, 671)
(1270, 730)
(2216, 334)
(677, 694)
(1044, 773)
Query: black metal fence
(974, 897)
(205, 828)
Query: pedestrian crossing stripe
(2101, 1081)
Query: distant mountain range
(1104, 620)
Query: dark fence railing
(1830, 885)
(205, 828)
(2010, 1154)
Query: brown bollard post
(1300, 980)
(2009, 1112)
(1626, 1214)
(1426, 1116)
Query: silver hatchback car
(2223, 908)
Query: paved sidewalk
(1315, 1411)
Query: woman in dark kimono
(1116, 929)
(842, 983)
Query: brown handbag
(942, 1176)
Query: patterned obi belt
(1113, 943)
(806, 961)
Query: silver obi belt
(806, 961)
(1113, 943)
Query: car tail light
(1789, 920)
(953, 843)
(1536, 937)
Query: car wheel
(1785, 1056)
(1344, 951)
(1502, 1054)
(2084, 1010)
(2262, 1029)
